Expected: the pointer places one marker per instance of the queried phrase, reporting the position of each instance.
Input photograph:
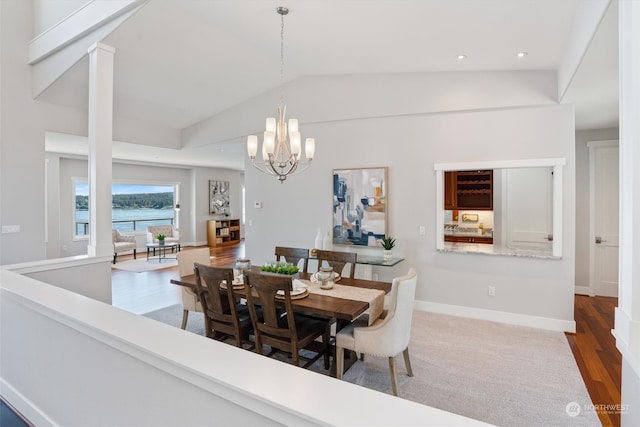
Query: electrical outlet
(491, 291)
(422, 230)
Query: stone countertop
(479, 248)
(468, 232)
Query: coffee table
(162, 250)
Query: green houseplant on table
(280, 267)
(388, 243)
(161, 238)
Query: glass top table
(372, 260)
(162, 250)
(369, 260)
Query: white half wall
(70, 360)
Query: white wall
(582, 199)
(630, 394)
(22, 136)
(540, 291)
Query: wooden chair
(223, 317)
(186, 261)
(287, 333)
(294, 255)
(338, 260)
(388, 336)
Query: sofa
(122, 243)
(173, 235)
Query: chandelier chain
(282, 58)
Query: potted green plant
(280, 267)
(388, 243)
(161, 238)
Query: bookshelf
(223, 232)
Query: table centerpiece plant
(388, 243)
(280, 267)
(161, 238)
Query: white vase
(318, 242)
(387, 255)
(326, 242)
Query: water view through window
(134, 207)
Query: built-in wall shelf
(468, 190)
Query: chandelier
(281, 157)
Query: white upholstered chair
(173, 235)
(186, 261)
(386, 337)
(122, 243)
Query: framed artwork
(359, 205)
(218, 197)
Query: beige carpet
(500, 374)
(141, 264)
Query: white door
(604, 166)
(528, 215)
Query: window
(133, 208)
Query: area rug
(500, 374)
(141, 264)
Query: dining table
(324, 303)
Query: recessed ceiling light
(521, 54)
(461, 57)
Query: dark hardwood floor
(593, 345)
(598, 359)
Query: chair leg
(295, 356)
(339, 362)
(258, 344)
(392, 373)
(327, 347)
(115, 254)
(185, 315)
(134, 254)
(407, 362)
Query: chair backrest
(186, 260)
(218, 305)
(167, 230)
(294, 255)
(390, 336)
(271, 329)
(338, 260)
(115, 235)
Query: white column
(627, 317)
(100, 142)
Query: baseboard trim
(498, 316)
(582, 290)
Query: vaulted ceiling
(181, 61)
